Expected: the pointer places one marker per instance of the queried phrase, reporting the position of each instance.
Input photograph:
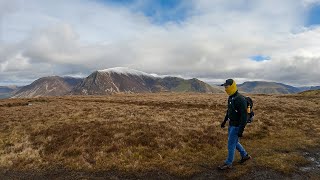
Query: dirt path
(313, 168)
(214, 174)
(308, 172)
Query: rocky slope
(47, 86)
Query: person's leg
(244, 155)
(232, 143)
(240, 148)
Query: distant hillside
(306, 88)
(315, 88)
(311, 93)
(176, 84)
(7, 91)
(48, 86)
(71, 81)
(115, 80)
(267, 88)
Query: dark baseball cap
(228, 82)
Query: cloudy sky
(212, 40)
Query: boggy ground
(155, 136)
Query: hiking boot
(244, 159)
(225, 166)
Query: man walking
(237, 116)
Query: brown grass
(178, 133)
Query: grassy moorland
(175, 133)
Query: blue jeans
(233, 144)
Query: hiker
(237, 116)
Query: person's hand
(223, 124)
(240, 132)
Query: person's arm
(242, 104)
(223, 124)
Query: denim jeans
(233, 144)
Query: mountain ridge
(126, 80)
(264, 87)
(110, 81)
(116, 80)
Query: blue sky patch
(313, 16)
(159, 11)
(260, 58)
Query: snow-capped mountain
(110, 81)
(121, 79)
(115, 80)
(126, 71)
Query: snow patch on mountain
(126, 71)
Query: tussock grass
(178, 133)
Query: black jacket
(237, 111)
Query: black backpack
(250, 112)
(249, 109)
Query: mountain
(114, 80)
(262, 87)
(71, 81)
(314, 87)
(176, 84)
(48, 86)
(121, 79)
(306, 88)
(7, 91)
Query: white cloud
(15, 63)
(213, 43)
